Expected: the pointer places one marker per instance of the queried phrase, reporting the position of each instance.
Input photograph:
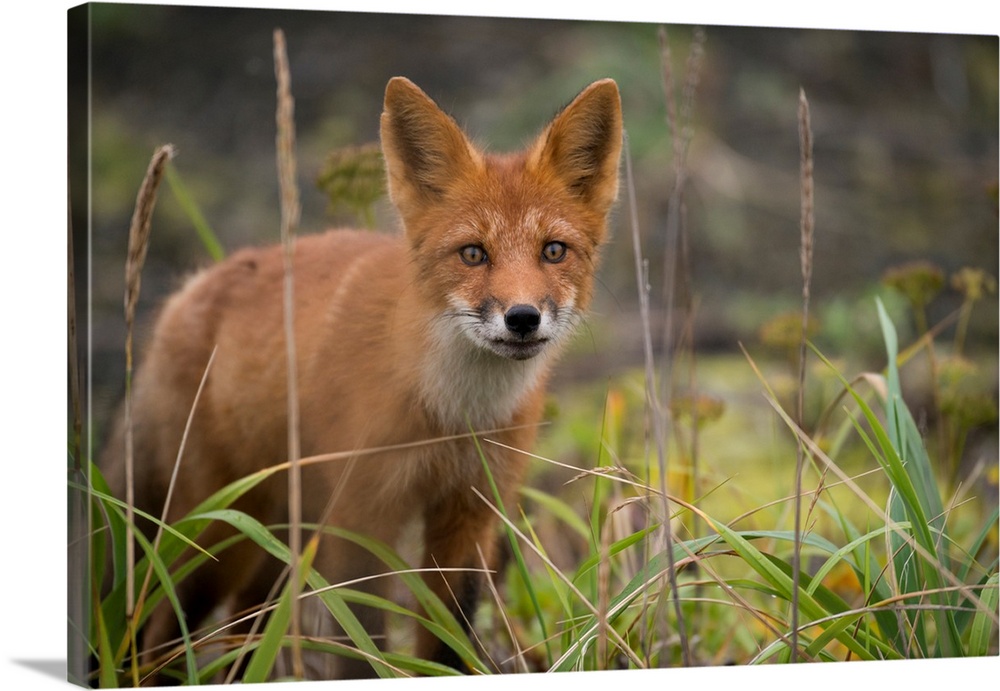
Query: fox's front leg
(459, 534)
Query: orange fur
(399, 339)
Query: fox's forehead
(506, 196)
(511, 225)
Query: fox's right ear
(582, 145)
(425, 150)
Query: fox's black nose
(522, 319)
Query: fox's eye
(473, 255)
(554, 252)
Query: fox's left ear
(582, 145)
(425, 151)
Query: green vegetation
(894, 570)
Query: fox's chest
(463, 386)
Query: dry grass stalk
(806, 260)
(138, 236)
(285, 144)
(143, 591)
(138, 244)
(517, 656)
(613, 635)
(681, 132)
(656, 413)
(678, 260)
(674, 260)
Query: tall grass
(290, 212)
(921, 591)
(138, 245)
(113, 645)
(807, 228)
(910, 580)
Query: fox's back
(236, 310)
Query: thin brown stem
(138, 244)
(674, 260)
(806, 261)
(290, 209)
(165, 512)
(656, 413)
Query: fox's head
(506, 245)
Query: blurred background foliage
(906, 155)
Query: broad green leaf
(920, 500)
(983, 626)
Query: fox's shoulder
(317, 256)
(315, 253)
(248, 283)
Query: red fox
(451, 326)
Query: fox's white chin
(515, 349)
(468, 379)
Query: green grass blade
(906, 568)
(780, 578)
(166, 584)
(840, 554)
(440, 619)
(522, 568)
(656, 567)
(559, 587)
(171, 530)
(403, 662)
(983, 626)
(113, 604)
(266, 653)
(989, 525)
(617, 547)
(201, 226)
(920, 499)
(903, 430)
(458, 642)
(559, 509)
(114, 522)
(868, 573)
(888, 457)
(257, 532)
(107, 676)
(337, 606)
(184, 532)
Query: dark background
(905, 132)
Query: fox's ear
(425, 150)
(582, 145)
